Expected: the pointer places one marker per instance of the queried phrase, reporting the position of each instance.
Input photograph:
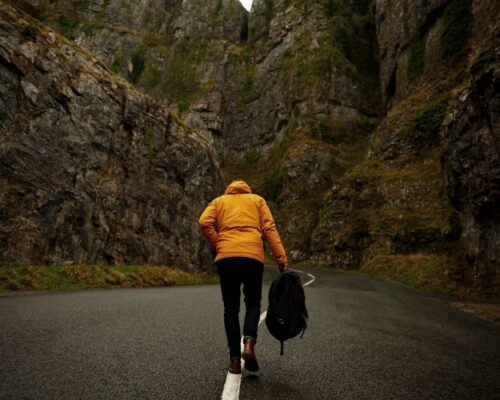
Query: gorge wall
(369, 125)
(91, 170)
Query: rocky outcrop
(471, 162)
(90, 169)
(332, 110)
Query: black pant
(234, 271)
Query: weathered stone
(90, 169)
(332, 110)
(471, 162)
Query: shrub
(138, 62)
(116, 65)
(427, 123)
(67, 26)
(274, 184)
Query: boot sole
(232, 371)
(251, 364)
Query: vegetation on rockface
(308, 66)
(268, 9)
(116, 65)
(264, 177)
(181, 83)
(416, 59)
(354, 37)
(332, 6)
(457, 19)
(392, 210)
(434, 272)
(67, 26)
(405, 204)
(396, 231)
(148, 139)
(313, 57)
(246, 89)
(71, 277)
(138, 61)
(427, 123)
(273, 185)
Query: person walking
(243, 222)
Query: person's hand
(283, 267)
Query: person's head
(238, 186)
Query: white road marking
(302, 272)
(233, 381)
(311, 281)
(232, 387)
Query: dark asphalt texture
(367, 339)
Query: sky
(247, 4)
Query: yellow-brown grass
(71, 277)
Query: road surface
(367, 339)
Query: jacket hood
(238, 187)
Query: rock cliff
(333, 110)
(91, 170)
(471, 159)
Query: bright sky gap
(247, 4)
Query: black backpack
(287, 314)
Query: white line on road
(309, 275)
(311, 281)
(233, 381)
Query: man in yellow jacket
(243, 221)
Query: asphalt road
(367, 339)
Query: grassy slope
(73, 277)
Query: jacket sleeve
(206, 222)
(271, 235)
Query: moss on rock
(427, 123)
(416, 59)
(138, 61)
(457, 27)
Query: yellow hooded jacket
(243, 220)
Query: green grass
(432, 272)
(74, 277)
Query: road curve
(367, 339)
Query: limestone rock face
(402, 25)
(471, 161)
(90, 169)
(333, 111)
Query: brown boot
(235, 365)
(251, 364)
